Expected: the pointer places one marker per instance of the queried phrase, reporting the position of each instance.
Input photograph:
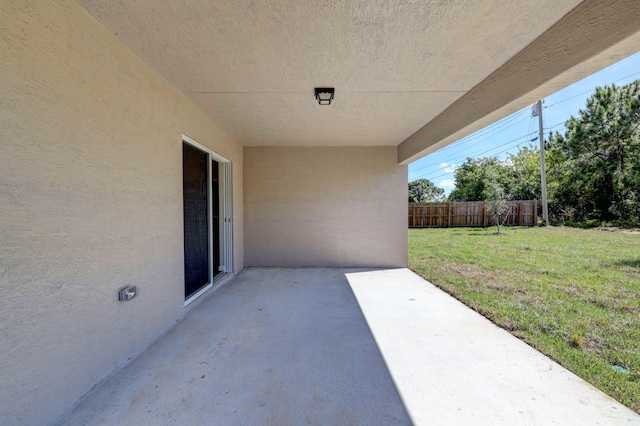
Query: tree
(564, 190)
(526, 174)
(423, 191)
(494, 197)
(593, 170)
(602, 154)
(472, 175)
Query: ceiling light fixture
(324, 95)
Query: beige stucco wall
(90, 200)
(324, 206)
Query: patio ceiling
(252, 65)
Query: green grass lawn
(573, 294)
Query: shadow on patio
(274, 346)
(292, 346)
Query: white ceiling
(252, 65)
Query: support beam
(592, 36)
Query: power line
(445, 174)
(488, 131)
(530, 126)
(431, 165)
(518, 140)
(589, 91)
(555, 125)
(505, 121)
(513, 116)
(495, 125)
(457, 157)
(549, 129)
(484, 131)
(475, 154)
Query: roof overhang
(589, 38)
(411, 74)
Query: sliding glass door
(206, 180)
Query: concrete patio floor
(321, 346)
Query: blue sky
(504, 137)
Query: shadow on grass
(492, 231)
(478, 231)
(633, 263)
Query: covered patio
(152, 151)
(327, 346)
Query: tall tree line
(593, 169)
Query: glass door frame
(225, 249)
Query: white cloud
(443, 164)
(447, 183)
(450, 169)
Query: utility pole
(537, 110)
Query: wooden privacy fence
(470, 213)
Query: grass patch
(573, 294)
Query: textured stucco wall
(90, 200)
(324, 206)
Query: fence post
(413, 215)
(535, 213)
(484, 217)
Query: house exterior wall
(90, 201)
(324, 206)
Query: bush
(584, 224)
(624, 224)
